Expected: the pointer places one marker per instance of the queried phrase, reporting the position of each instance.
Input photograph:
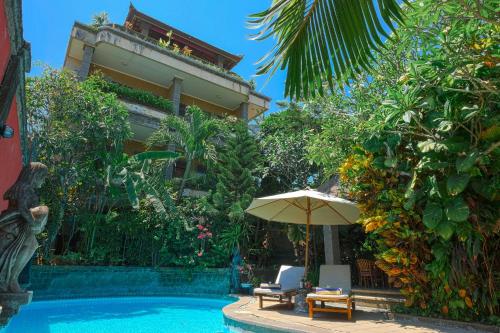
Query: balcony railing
(155, 43)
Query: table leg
(310, 302)
(349, 309)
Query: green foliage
(235, 174)
(78, 132)
(427, 175)
(322, 40)
(100, 19)
(195, 135)
(341, 119)
(283, 139)
(131, 94)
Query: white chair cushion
(289, 277)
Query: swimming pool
(122, 315)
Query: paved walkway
(364, 320)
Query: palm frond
(322, 41)
(172, 129)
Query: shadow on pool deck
(280, 319)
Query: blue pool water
(122, 315)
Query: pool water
(122, 315)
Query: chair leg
(322, 304)
(260, 302)
(289, 303)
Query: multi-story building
(152, 56)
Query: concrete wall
(10, 149)
(206, 106)
(53, 282)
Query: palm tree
(319, 41)
(194, 135)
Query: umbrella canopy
(307, 207)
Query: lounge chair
(332, 276)
(289, 280)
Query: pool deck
(277, 317)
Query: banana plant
(138, 185)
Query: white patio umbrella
(307, 207)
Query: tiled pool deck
(278, 318)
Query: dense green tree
(235, 175)
(78, 132)
(283, 139)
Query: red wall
(10, 149)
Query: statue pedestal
(10, 304)
(300, 301)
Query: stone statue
(19, 225)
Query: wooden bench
(276, 297)
(312, 299)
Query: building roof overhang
(231, 59)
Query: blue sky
(47, 25)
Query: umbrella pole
(308, 224)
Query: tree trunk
(187, 172)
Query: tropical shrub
(427, 180)
(78, 132)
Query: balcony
(133, 54)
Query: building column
(175, 97)
(332, 244)
(83, 71)
(244, 111)
(175, 94)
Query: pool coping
(444, 322)
(236, 316)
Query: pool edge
(235, 317)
